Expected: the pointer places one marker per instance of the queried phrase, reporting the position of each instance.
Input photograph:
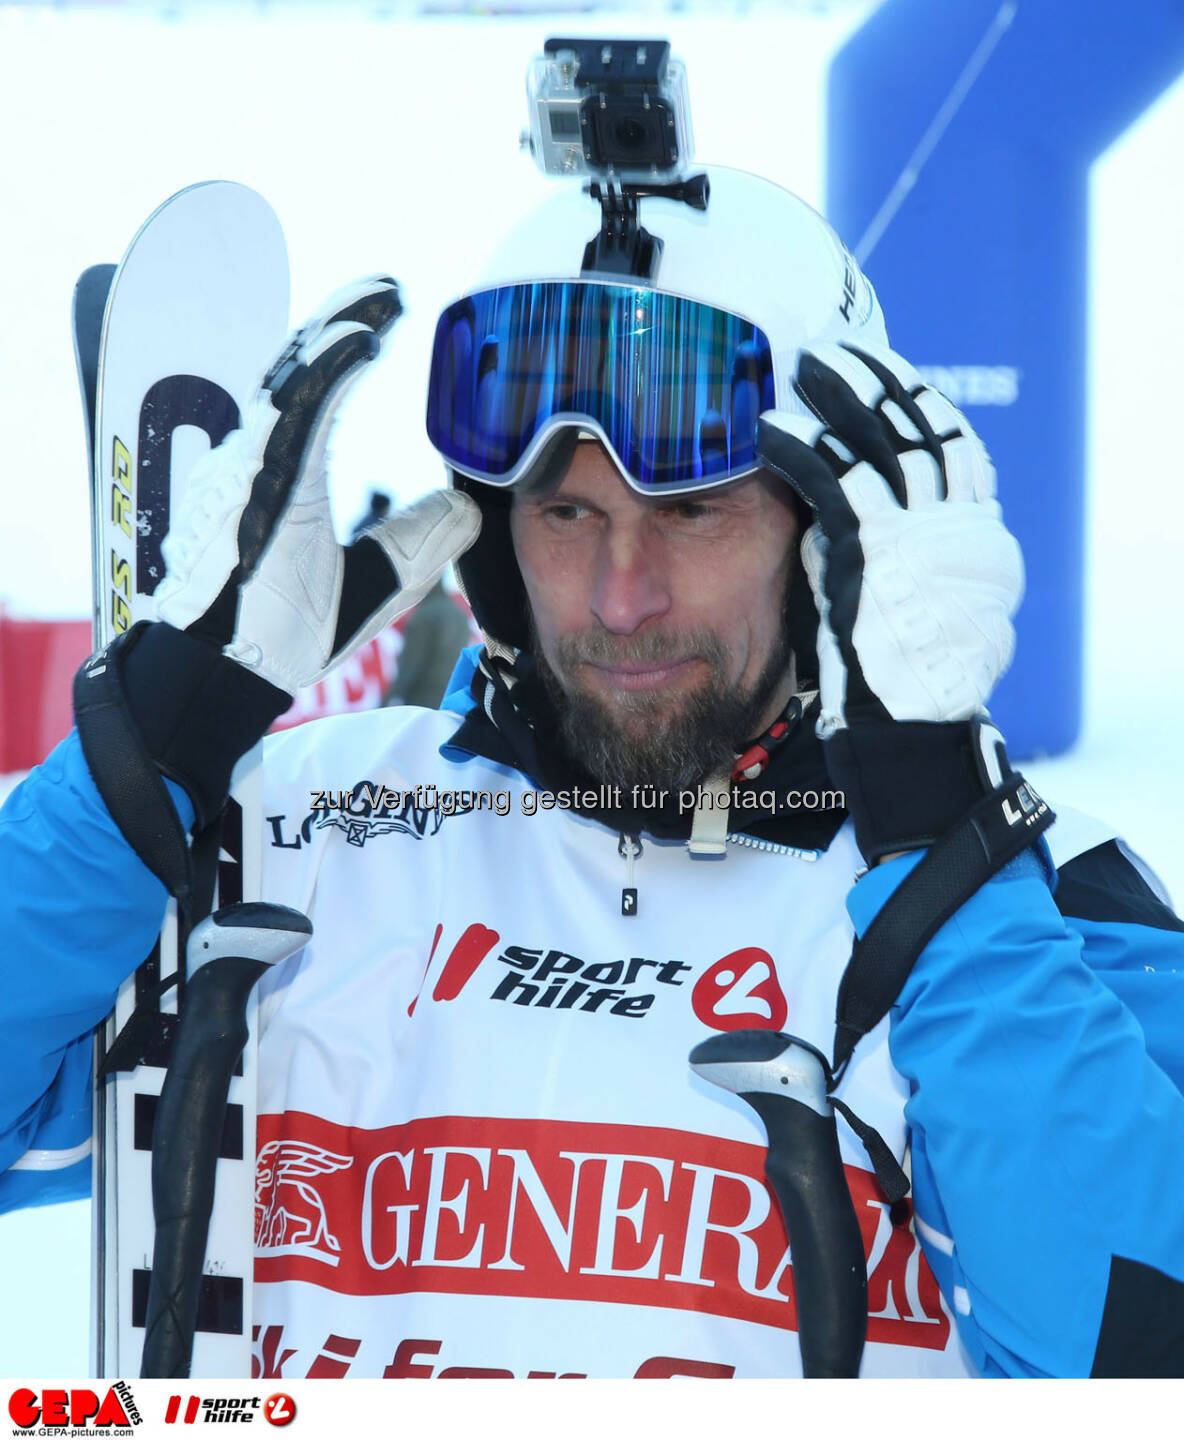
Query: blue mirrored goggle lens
(675, 385)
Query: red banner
(564, 1210)
(38, 659)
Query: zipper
(629, 848)
(771, 847)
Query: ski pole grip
(226, 955)
(785, 1081)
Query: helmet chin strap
(709, 828)
(504, 653)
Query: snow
(393, 147)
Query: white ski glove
(254, 566)
(915, 579)
(914, 574)
(259, 598)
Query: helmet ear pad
(488, 570)
(801, 614)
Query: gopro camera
(617, 109)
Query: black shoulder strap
(996, 830)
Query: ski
(195, 312)
(90, 304)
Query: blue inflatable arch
(961, 134)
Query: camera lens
(628, 131)
(629, 134)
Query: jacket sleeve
(78, 912)
(1044, 1053)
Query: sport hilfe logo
(224, 1409)
(740, 991)
(551, 979)
(277, 1409)
(74, 1410)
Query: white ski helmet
(670, 373)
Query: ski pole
(785, 1081)
(226, 955)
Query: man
(662, 817)
(433, 637)
(379, 509)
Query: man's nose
(631, 585)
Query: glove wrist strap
(125, 776)
(906, 783)
(157, 702)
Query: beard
(671, 741)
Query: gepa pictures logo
(73, 1410)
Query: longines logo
(363, 813)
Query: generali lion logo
(290, 1215)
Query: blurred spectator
(380, 508)
(434, 635)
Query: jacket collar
(512, 722)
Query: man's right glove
(254, 566)
(915, 579)
(260, 599)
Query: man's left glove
(259, 598)
(915, 579)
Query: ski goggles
(671, 386)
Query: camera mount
(624, 247)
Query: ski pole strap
(888, 1170)
(148, 1032)
(124, 773)
(955, 867)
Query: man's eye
(564, 511)
(691, 509)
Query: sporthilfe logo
(551, 979)
(740, 992)
(277, 1409)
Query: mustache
(655, 647)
